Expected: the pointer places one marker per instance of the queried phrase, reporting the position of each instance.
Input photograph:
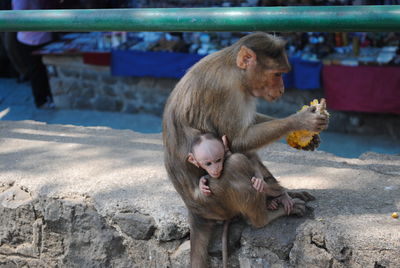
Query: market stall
(368, 82)
(374, 89)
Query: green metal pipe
(282, 19)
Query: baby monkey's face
(209, 155)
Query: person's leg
(17, 59)
(40, 81)
(37, 73)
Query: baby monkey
(208, 152)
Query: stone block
(181, 257)
(130, 107)
(104, 103)
(165, 84)
(147, 82)
(109, 80)
(135, 225)
(87, 92)
(119, 104)
(259, 257)
(52, 71)
(82, 103)
(62, 102)
(131, 81)
(130, 94)
(278, 236)
(73, 87)
(171, 231)
(89, 75)
(57, 86)
(110, 90)
(148, 96)
(69, 73)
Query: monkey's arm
(261, 118)
(258, 135)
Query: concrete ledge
(97, 197)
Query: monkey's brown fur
(214, 96)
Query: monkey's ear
(225, 142)
(245, 57)
(192, 160)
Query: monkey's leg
(200, 232)
(275, 189)
(259, 166)
(270, 179)
(259, 218)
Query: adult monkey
(218, 94)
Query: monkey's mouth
(215, 175)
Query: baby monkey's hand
(204, 187)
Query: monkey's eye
(278, 74)
(208, 164)
(218, 160)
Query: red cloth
(362, 88)
(97, 58)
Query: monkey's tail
(225, 239)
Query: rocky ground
(97, 197)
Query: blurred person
(10, 43)
(8, 66)
(27, 42)
(5, 69)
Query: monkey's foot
(272, 204)
(299, 207)
(305, 196)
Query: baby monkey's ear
(226, 143)
(192, 160)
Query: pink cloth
(373, 89)
(31, 38)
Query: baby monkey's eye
(208, 164)
(218, 160)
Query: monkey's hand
(309, 119)
(309, 122)
(287, 202)
(204, 187)
(258, 184)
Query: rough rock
(97, 197)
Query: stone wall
(98, 197)
(76, 85)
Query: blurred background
(122, 79)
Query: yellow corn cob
(301, 138)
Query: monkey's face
(267, 84)
(209, 155)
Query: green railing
(310, 18)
